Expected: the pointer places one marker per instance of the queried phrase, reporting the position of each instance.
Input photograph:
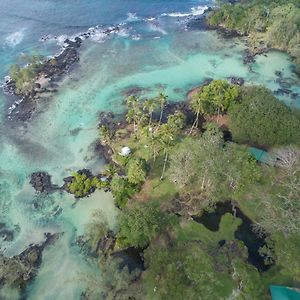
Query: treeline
(269, 24)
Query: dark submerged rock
(237, 80)
(25, 265)
(6, 234)
(248, 57)
(41, 182)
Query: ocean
(154, 50)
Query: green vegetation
(136, 171)
(195, 266)
(272, 24)
(139, 223)
(175, 173)
(96, 230)
(119, 283)
(213, 98)
(259, 118)
(25, 77)
(122, 190)
(212, 167)
(193, 231)
(82, 185)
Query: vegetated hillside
(199, 216)
(269, 24)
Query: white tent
(125, 151)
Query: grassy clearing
(193, 231)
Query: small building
(262, 156)
(284, 293)
(125, 151)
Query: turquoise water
(153, 55)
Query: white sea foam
(136, 37)
(195, 11)
(123, 32)
(199, 10)
(99, 37)
(154, 26)
(61, 39)
(151, 19)
(14, 38)
(132, 17)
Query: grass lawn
(193, 231)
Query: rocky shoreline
(22, 268)
(41, 182)
(49, 75)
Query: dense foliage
(197, 266)
(215, 168)
(82, 185)
(274, 24)
(176, 174)
(136, 171)
(139, 223)
(122, 190)
(24, 77)
(259, 118)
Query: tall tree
(162, 100)
(133, 111)
(106, 134)
(140, 222)
(150, 106)
(168, 133)
(136, 171)
(197, 108)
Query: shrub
(263, 120)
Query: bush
(261, 119)
(136, 171)
(25, 77)
(139, 223)
(122, 190)
(82, 184)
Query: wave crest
(195, 11)
(14, 38)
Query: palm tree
(106, 134)
(166, 138)
(110, 170)
(197, 106)
(168, 133)
(154, 144)
(132, 103)
(149, 106)
(162, 100)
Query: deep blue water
(22, 23)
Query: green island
(202, 215)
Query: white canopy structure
(125, 151)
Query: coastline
(44, 190)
